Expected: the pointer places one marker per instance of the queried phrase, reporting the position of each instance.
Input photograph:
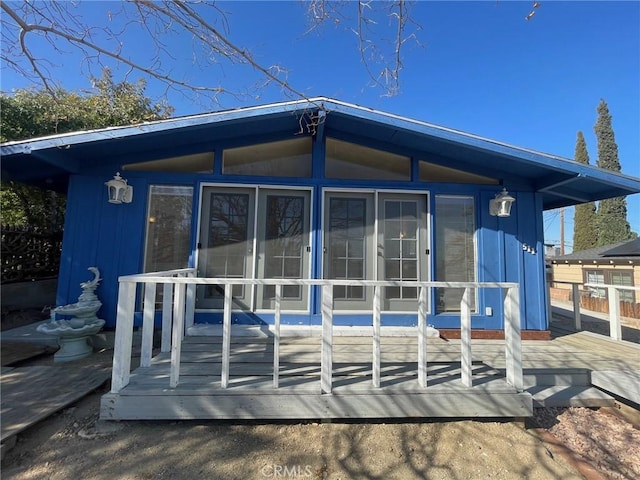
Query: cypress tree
(584, 218)
(612, 224)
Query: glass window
(430, 172)
(286, 158)
(348, 160)
(227, 241)
(455, 220)
(198, 163)
(623, 278)
(596, 277)
(284, 244)
(400, 226)
(347, 237)
(168, 228)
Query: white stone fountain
(73, 333)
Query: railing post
(375, 367)
(191, 303)
(326, 366)
(167, 317)
(276, 338)
(513, 342)
(148, 318)
(615, 326)
(465, 339)
(575, 293)
(422, 337)
(226, 335)
(124, 336)
(176, 333)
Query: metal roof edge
(148, 127)
(555, 162)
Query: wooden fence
(29, 254)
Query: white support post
(615, 326)
(422, 337)
(575, 293)
(513, 342)
(124, 336)
(226, 335)
(176, 333)
(148, 318)
(191, 304)
(465, 339)
(276, 338)
(167, 317)
(375, 367)
(326, 367)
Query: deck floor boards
(250, 392)
(30, 394)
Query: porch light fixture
(501, 205)
(119, 191)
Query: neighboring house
(616, 264)
(305, 190)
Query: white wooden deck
(333, 376)
(250, 392)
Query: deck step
(539, 377)
(623, 383)
(440, 403)
(569, 396)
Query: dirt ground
(74, 443)
(71, 445)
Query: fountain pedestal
(73, 334)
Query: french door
(254, 233)
(403, 251)
(375, 235)
(283, 246)
(226, 244)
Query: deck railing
(178, 308)
(613, 297)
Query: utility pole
(562, 231)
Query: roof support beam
(549, 183)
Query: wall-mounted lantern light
(119, 191)
(501, 205)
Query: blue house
(310, 189)
(319, 217)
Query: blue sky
(479, 67)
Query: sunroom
(279, 222)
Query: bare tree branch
(383, 31)
(27, 24)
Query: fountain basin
(73, 340)
(73, 334)
(79, 310)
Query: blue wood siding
(97, 233)
(111, 237)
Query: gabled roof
(623, 252)
(51, 160)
